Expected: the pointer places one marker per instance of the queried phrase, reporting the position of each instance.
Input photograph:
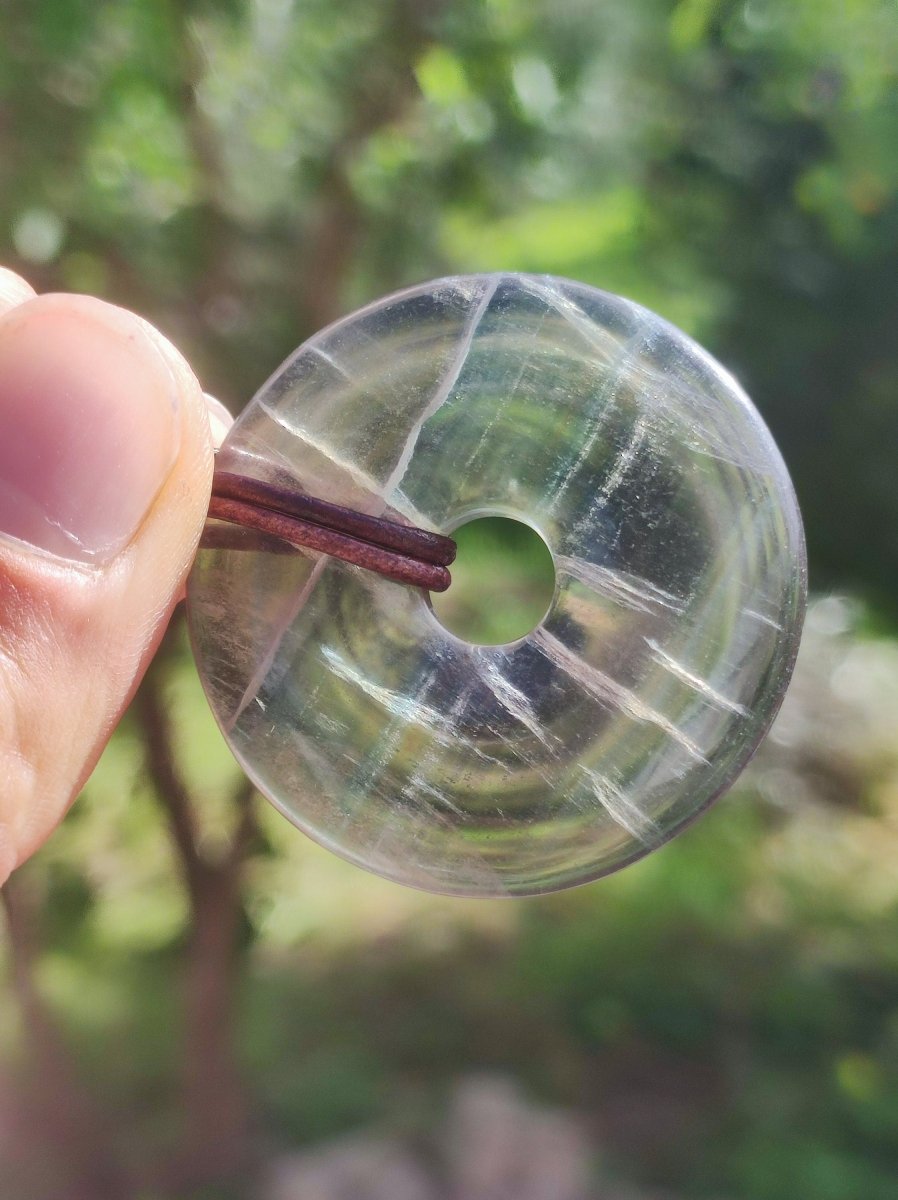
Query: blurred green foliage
(242, 172)
(503, 580)
(726, 1010)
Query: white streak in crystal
(448, 382)
(329, 724)
(630, 591)
(263, 452)
(675, 406)
(506, 396)
(616, 357)
(608, 691)
(391, 737)
(284, 624)
(625, 459)
(571, 311)
(622, 810)
(695, 681)
(586, 523)
(439, 799)
(330, 360)
(512, 699)
(637, 344)
(618, 472)
(374, 503)
(521, 750)
(406, 708)
(360, 478)
(418, 781)
(750, 612)
(719, 454)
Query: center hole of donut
(503, 580)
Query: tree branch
(58, 1112)
(247, 829)
(216, 1105)
(168, 784)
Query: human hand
(106, 445)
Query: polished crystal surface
(679, 555)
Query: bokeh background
(199, 1003)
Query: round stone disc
(680, 588)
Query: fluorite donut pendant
(680, 588)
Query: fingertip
(9, 856)
(91, 424)
(105, 471)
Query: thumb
(105, 471)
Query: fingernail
(88, 426)
(13, 290)
(220, 419)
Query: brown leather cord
(403, 553)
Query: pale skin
(106, 452)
